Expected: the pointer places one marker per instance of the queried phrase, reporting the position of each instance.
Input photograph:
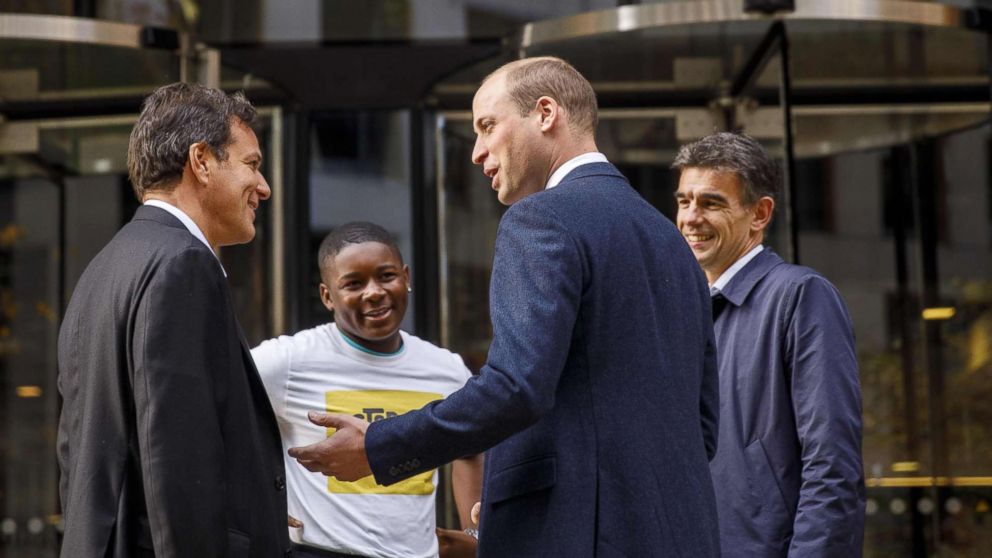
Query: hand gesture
(341, 455)
(455, 544)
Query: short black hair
(736, 153)
(355, 232)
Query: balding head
(530, 79)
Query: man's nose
(263, 189)
(479, 152)
(374, 290)
(690, 214)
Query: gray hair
(173, 118)
(530, 79)
(736, 153)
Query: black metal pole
(925, 188)
(788, 157)
(424, 220)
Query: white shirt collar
(726, 276)
(571, 164)
(188, 223)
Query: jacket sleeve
(535, 294)
(180, 347)
(826, 397)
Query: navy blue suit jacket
(599, 395)
(788, 474)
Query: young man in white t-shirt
(364, 365)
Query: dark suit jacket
(788, 469)
(166, 439)
(599, 395)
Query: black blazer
(167, 444)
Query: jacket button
(280, 483)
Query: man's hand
(455, 544)
(342, 455)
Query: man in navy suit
(788, 470)
(598, 399)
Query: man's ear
(198, 155)
(549, 113)
(325, 297)
(763, 210)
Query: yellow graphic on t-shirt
(373, 405)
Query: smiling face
(365, 285)
(235, 189)
(714, 220)
(510, 147)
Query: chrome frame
(70, 30)
(688, 12)
(198, 62)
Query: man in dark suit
(598, 397)
(788, 470)
(167, 444)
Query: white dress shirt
(726, 276)
(188, 223)
(571, 164)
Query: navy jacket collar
(591, 169)
(743, 283)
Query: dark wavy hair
(173, 118)
(737, 153)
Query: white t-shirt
(318, 369)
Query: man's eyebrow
(712, 196)
(480, 121)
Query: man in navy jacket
(788, 467)
(599, 395)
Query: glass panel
(469, 216)
(30, 232)
(48, 70)
(359, 171)
(676, 62)
(960, 345)
(829, 53)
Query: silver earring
(409, 289)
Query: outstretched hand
(341, 455)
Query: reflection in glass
(29, 316)
(359, 171)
